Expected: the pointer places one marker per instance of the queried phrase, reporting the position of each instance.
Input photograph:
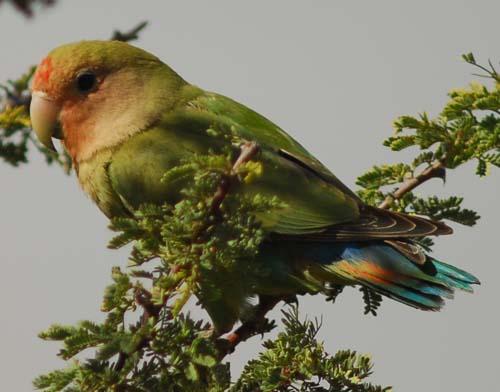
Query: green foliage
(439, 209)
(372, 300)
(15, 126)
(296, 361)
(160, 354)
(467, 129)
(379, 176)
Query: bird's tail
(389, 272)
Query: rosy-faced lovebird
(126, 118)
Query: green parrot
(125, 118)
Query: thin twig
(248, 151)
(435, 170)
(249, 328)
(143, 299)
(130, 35)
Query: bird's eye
(86, 81)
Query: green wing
(249, 125)
(314, 197)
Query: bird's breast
(94, 179)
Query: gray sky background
(334, 74)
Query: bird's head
(95, 94)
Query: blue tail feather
(389, 272)
(455, 276)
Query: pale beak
(44, 113)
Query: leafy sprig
(297, 361)
(467, 129)
(16, 135)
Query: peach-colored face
(58, 96)
(98, 93)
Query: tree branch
(249, 328)
(435, 170)
(248, 151)
(130, 35)
(143, 299)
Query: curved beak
(44, 113)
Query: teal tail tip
(439, 282)
(454, 277)
(443, 280)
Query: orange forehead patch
(43, 72)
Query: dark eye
(86, 81)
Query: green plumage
(134, 168)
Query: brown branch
(435, 170)
(248, 329)
(142, 298)
(130, 35)
(248, 151)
